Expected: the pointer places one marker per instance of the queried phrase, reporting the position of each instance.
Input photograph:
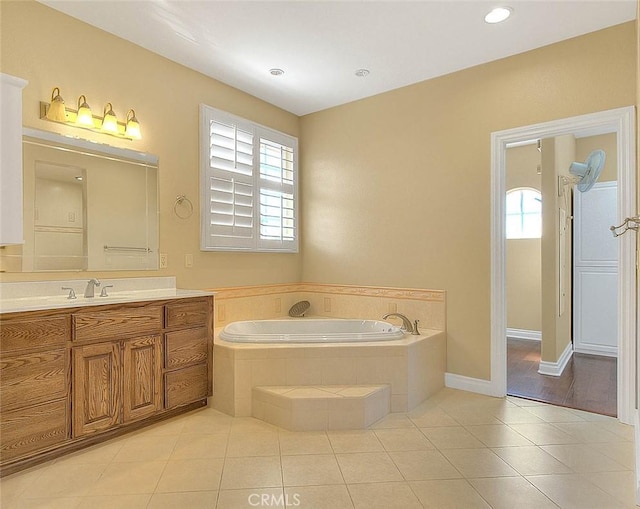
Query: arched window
(524, 213)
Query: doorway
(574, 265)
(621, 122)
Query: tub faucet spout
(406, 323)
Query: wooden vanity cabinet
(34, 383)
(116, 382)
(118, 375)
(70, 377)
(188, 372)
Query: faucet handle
(72, 292)
(415, 332)
(103, 292)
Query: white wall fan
(586, 174)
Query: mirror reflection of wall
(60, 241)
(86, 207)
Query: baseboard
(534, 335)
(605, 351)
(556, 368)
(465, 383)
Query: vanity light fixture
(498, 15)
(132, 129)
(57, 111)
(84, 118)
(109, 121)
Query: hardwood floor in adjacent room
(587, 383)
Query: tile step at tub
(321, 407)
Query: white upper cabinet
(11, 159)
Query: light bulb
(85, 117)
(132, 129)
(109, 122)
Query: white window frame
(522, 214)
(211, 239)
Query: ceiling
(320, 44)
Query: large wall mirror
(87, 206)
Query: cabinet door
(28, 430)
(96, 388)
(187, 312)
(142, 363)
(33, 378)
(11, 231)
(185, 348)
(187, 385)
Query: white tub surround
(310, 330)
(268, 302)
(41, 295)
(412, 366)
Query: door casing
(622, 122)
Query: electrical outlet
(393, 307)
(327, 304)
(277, 305)
(221, 312)
(164, 261)
(188, 260)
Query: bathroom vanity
(81, 371)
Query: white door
(595, 271)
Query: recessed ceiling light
(361, 73)
(276, 72)
(498, 15)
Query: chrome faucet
(91, 285)
(406, 323)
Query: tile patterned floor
(457, 450)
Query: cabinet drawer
(186, 347)
(31, 429)
(189, 312)
(33, 378)
(30, 333)
(116, 323)
(186, 386)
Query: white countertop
(43, 295)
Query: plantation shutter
(248, 185)
(277, 192)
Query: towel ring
(179, 201)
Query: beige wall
(396, 187)
(51, 49)
(523, 268)
(556, 248)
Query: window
(524, 214)
(249, 185)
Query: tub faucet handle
(415, 332)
